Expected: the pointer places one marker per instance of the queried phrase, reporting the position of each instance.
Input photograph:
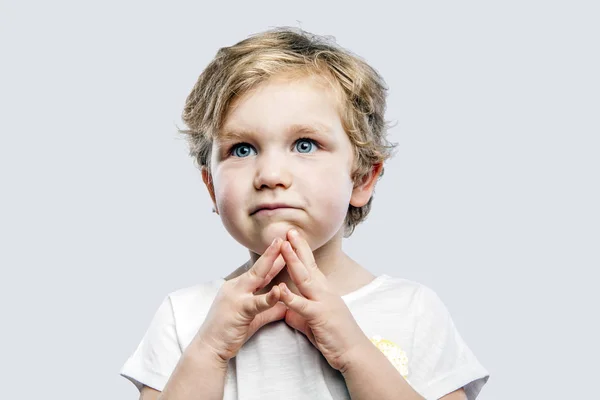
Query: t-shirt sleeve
(157, 354)
(441, 360)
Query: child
(289, 132)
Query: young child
(289, 132)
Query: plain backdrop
(492, 199)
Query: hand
(237, 313)
(319, 313)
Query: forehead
(306, 104)
(308, 129)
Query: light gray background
(492, 199)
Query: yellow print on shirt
(394, 353)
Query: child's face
(269, 163)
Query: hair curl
(239, 68)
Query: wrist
(356, 355)
(206, 350)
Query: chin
(259, 241)
(315, 238)
(276, 230)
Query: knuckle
(307, 280)
(247, 309)
(252, 273)
(254, 304)
(303, 307)
(244, 309)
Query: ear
(361, 194)
(207, 179)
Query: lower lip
(274, 211)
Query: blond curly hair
(239, 68)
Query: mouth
(270, 209)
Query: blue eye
(302, 145)
(244, 148)
(305, 145)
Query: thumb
(275, 313)
(296, 321)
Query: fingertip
(274, 293)
(274, 246)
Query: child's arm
(456, 395)
(370, 375)
(184, 383)
(236, 313)
(327, 322)
(199, 371)
(147, 393)
(325, 319)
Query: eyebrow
(306, 129)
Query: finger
(293, 319)
(263, 302)
(301, 305)
(299, 273)
(275, 269)
(275, 313)
(303, 250)
(255, 276)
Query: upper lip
(270, 206)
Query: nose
(272, 170)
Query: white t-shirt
(405, 319)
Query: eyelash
(235, 146)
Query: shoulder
(424, 300)
(189, 307)
(391, 297)
(439, 359)
(410, 299)
(421, 290)
(401, 283)
(201, 291)
(406, 289)
(172, 328)
(195, 299)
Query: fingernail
(294, 232)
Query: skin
(275, 166)
(271, 163)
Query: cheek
(332, 193)
(228, 192)
(230, 202)
(227, 202)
